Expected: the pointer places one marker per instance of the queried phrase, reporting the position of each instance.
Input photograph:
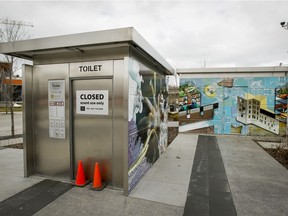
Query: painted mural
(244, 105)
(148, 113)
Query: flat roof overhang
(232, 70)
(27, 49)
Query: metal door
(92, 133)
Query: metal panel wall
(119, 123)
(48, 67)
(125, 125)
(52, 156)
(93, 133)
(27, 98)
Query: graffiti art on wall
(190, 108)
(148, 113)
(228, 101)
(281, 94)
(252, 110)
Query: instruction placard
(56, 103)
(92, 102)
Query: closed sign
(92, 102)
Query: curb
(9, 142)
(10, 137)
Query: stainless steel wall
(120, 127)
(27, 98)
(51, 156)
(92, 139)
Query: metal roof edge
(143, 44)
(232, 70)
(70, 40)
(111, 36)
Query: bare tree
(11, 30)
(4, 74)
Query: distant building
(16, 82)
(17, 88)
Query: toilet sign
(92, 102)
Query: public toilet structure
(96, 97)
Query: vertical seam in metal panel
(24, 67)
(125, 120)
(33, 121)
(113, 143)
(71, 123)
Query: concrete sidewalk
(258, 183)
(168, 179)
(12, 179)
(77, 201)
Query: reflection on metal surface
(92, 141)
(44, 147)
(27, 95)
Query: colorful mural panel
(148, 113)
(281, 97)
(244, 105)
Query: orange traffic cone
(80, 179)
(97, 182)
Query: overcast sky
(185, 33)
